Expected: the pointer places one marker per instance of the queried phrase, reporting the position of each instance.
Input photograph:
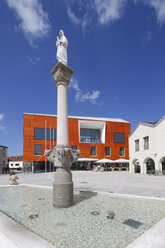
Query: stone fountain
(62, 156)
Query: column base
(63, 194)
(62, 188)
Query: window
(93, 150)
(146, 143)
(74, 147)
(107, 151)
(119, 137)
(90, 135)
(11, 164)
(16, 164)
(37, 150)
(136, 145)
(122, 151)
(39, 134)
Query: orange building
(96, 138)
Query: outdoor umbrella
(87, 159)
(121, 161)
(104, 161)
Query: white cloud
(73, 17)
(80, 97)
(82, 22)
(74, 84)
(91, 96)
(2, 128)
(1, 116)
(85, 22)
(159, 7)
(34, 61)
(109, 10)
(106, 11)
(34, 22)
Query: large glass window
(74, 147)
(89, 135)
(107, 151)
(136, 145)
(119, 137)
(93, 150)
(121, 151)
(37, 149)
(146, 143)
(39, 134)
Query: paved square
(116, 182)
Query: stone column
(62, 155)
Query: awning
(121, 160)
(86, 159)
(104, 161)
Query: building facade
(147, 147)
(96, 138)
(3, 159)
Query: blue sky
(116, 48)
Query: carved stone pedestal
(62, 157)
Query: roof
(3, 146)
(149, 124)
(85, 118)
(15, 158)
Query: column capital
(62, 73)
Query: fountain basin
(76, 226)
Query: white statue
(62, 44)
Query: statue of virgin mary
(62, 44)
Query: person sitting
(13, 178)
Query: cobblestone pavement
(116, 182)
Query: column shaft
(62, 115)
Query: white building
(147, 147)
(16, 165)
